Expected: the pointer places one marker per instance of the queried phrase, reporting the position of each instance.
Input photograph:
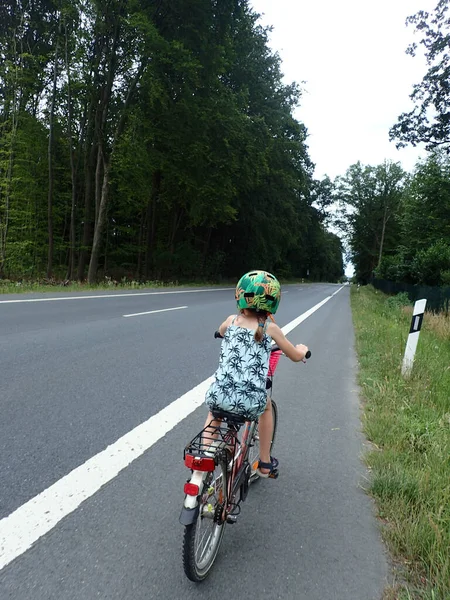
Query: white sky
(351, 54)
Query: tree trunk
(71, 265)
(385, 220)
(90, 152)
(151, 220)
(12, 104)
(105, 166)
(140, 241)
(105, 262)
(98, 179)
(102, 169)
(87, 217)
(206, 247)
(104, 162)
(177, 218)
(149, 245)
(50, 162)
(9, 173)
(95, 253)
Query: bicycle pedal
(274, 474)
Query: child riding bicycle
(239, 384)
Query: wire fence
(438, 298)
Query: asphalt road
(76, 375)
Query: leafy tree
(424, 221)
(432, 265)
(370, 197)
(429, 121)
(25, 49)
(426, 215)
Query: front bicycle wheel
(253, 454)
(202, 539)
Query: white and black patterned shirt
(240, 380)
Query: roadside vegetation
(21, 286)
(408, 423)
(8, 286)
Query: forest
(396, 225)
(155, 140)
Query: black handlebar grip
(308, 354)
(217, 335)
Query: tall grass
(408, 422)
(43, 286)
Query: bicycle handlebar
(274, 348)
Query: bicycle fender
(189, 515)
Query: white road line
(130, 295)
(337, 291)
(22, 528)
(39, 515)
(151, 312)
(296, 322)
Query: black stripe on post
(416, 323)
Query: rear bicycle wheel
(253, 454)
(202, 539)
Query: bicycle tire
(195, 569)
(253, 453)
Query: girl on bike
(240, 381)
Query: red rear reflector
(191, 489)
(199, 463)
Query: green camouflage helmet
(258, 290)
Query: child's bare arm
(225, 325)
(295, 353)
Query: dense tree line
(398, 224)
(152, 139)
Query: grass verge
(43, 286)
(408, 422)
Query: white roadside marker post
(413, 337)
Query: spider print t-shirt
(240, 381)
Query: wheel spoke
(208, 532)
(207, 545)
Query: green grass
(43, 286)
(408, 422)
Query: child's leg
(210, 429)
(211, 422)
(265, 428)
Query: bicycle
(223, 467)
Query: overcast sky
(351, 56)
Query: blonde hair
(262, 317)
